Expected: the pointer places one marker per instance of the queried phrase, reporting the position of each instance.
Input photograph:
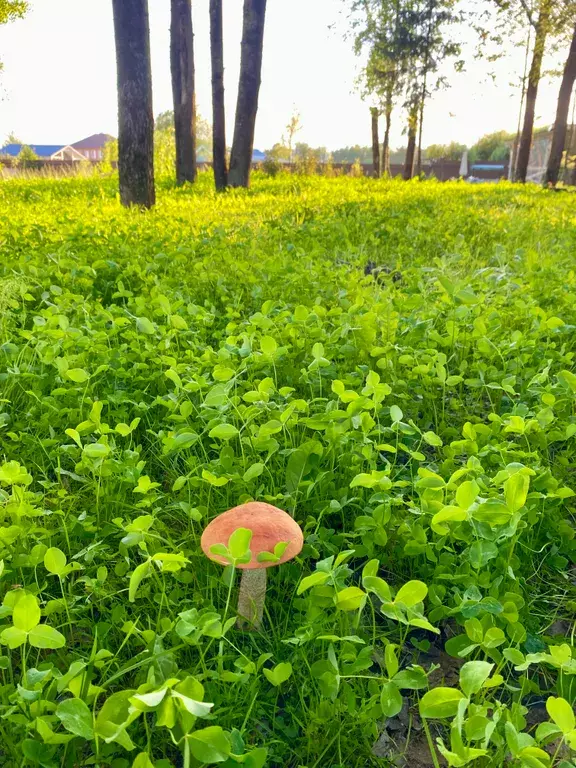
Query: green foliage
(165, 143)
(26, 156)
(10, 10)
(158, 369)
(452, 151)
(493, 147)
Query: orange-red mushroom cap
(269, 526)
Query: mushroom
(271, 529)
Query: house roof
(96, 141)
(42, 150)
(257, 156)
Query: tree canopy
(10, 10)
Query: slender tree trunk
(411, 148)
(424, 86)
(386, 142)
(525, 145)
(570, 143)
(135, 114)
(182, 69)
(248, 89)
(562, 110)
(514, 156)
(375, 144)
(420, 125)
(218, 112)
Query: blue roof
(42, 150)
(258, 156)
(488, 167)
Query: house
(44, 151)
(258, 156)
(92, 147)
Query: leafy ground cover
(417, 421)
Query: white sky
(59, 78)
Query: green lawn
(418, 422)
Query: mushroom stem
(251, 598)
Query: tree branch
(528, 12)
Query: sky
(58, 84)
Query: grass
(418, 422)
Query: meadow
(391, 363)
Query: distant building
(92, 147)
(258, 156)
(44, 151)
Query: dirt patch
(403, 742)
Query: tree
(165, 142)
(26, 156)
(12, 138)
(165, 122)
(413, 111)
(278, 153)
(350, 154)
(452, 151)
(407, 41)
(293, 127)
(10, 10)
(377, 27)
(548, 21)
(248, 90)
(561, 122)
(109, 156)
(135, 115)
(493, 147)
(375, 142)
(425, 26)
(182, 71)
(218, 109)
(306, 158)
(427, 45)
(541, 29)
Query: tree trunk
(218, 112)
(386, 142)
(411, 148)
(182, 69)
(375, 144)
(248, 89)
(562, 110)
(420, 126)
(514, 156)
(570, 142)
(523, 158)
(424, 85)
(135, 115)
